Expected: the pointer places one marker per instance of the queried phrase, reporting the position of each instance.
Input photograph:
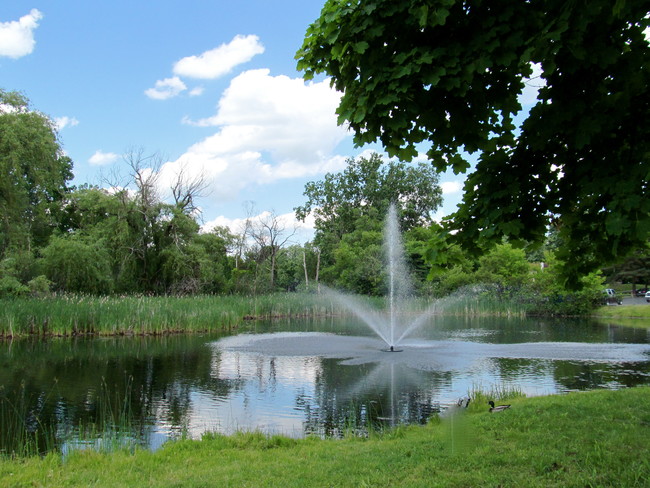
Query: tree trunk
(304, 265)
(317, 269)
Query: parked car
(641, 292)
(647, 296)
(610, 297)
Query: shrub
(11, 287)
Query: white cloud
(451, 187)
(532, 85)
(101, 158)
(65, 121)
(167, 88)
(17, 37)
(270, 128)
(195, 92)
(220, 60)
(304, 231)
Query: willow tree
(34, 173)
(448, 74)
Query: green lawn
(597, 438)
(628, 315)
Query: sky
(210, 87)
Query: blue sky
(210, 86)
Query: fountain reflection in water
(399, 319)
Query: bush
(39, 286)
(11, 287)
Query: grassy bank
(583, 439)
(627, 316)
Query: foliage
(34, 172)
(270, 234)
(39, 286)
(77, 264)
(366, 188)
(505, 273)
(448, 74)
(634, 268)
(349, 209)
(362, 276)
(504, 266)
(143, 244)
(549, 296)
(11, 287)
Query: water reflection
(160, 388)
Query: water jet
(397, 321)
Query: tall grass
(115, 426)
(28, 428)
(477, 303)
(71, 315)
(23, 431)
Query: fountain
(396, 322)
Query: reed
(23, 431)
(71, 315)
(28, 429)
(482, 305)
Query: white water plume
(399, 319)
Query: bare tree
(186, 189)
(270, 234)
(144, 171)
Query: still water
(303, 377)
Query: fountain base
(391, 349)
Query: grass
(596, 438)
(481, 305)
(72, 315)
(627, 316)
(26, 427)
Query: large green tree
(366, 188)
(33, 174)
(448, 74)
(349, 210)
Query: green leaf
(361, 47)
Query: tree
(34, 173)
(635, 268)
(367, 187)
(270, 234)
(357, 261)
(448, 74)
(504, 266)
(77, 263)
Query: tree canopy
(34, 174)
(448, 74)
(368, 185)
(349, 210)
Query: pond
(296, 377)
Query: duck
(463, 402)
(498, 408)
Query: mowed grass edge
(598, 438)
